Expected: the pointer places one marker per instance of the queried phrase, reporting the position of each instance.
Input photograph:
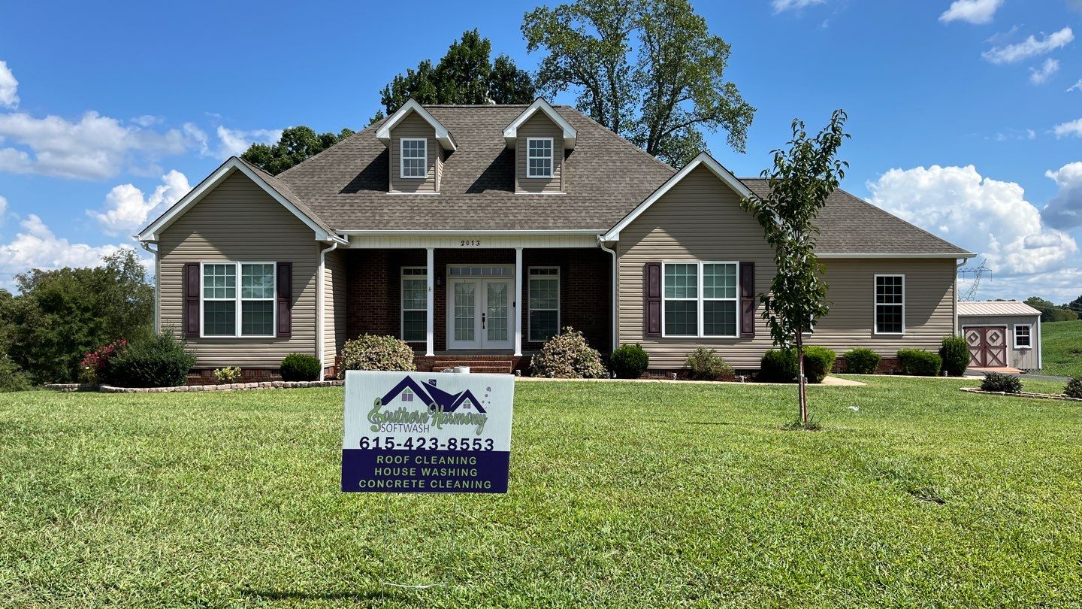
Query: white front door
(479, 313)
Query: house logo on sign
(415, 407)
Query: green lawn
(1062, 348)
(622, 494)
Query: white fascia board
(442, 232)
(830, 255)
(153, 232)
(443, 136)
(510, 134)
(704, 159)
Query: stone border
(69, 387)
(1040, 396)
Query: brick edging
(68, 387)
(1040, 396)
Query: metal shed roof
(995, 307)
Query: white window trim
(402, 158)
(237, 329)
(876, 304)
(552, 160)
(402, 300)
(700, 299)
(530, 307)
(1030, 336)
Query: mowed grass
(621, 494)
(1062, 348)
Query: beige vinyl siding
(334, 310)
(239, 222)
(413, 126)
(700, 219)
(1023, 359)
(539, 125)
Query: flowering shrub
(568, 356)
(94, 362)
(370, 352)
(227, 375)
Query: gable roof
(570, 134)
(443, 136)
(278, 190)
(996, 307)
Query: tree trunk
(803, 396)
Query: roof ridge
(334, 145)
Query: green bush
(371, 352)
(227, 375)
(918, 362)
(12, 377)
(302, 367)
(629, 361)
(955, 355)
(706, 365)
(158, 361)
(778, 366)
(861, 361)
(818, 362)
(1072, 390)
(568, 356)
(1007, 383)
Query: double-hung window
(539, 157)
(414, 157)
(414, 304)
(247, 309)
(1022, 337)
(700, 299)
(890, 304)
(544, 303)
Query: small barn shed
(1001, 334)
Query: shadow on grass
(298, 595)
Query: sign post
(426, 432)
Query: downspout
(157, 285)
(615, 295)
(957, 265)
(322, 309)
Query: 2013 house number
(469, 243)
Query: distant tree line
(1050, 312)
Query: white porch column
(518, 301)
(430, 311)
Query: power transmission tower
(977, 273)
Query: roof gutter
(945, 256)
(442, 232)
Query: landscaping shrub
(568, 356)
(157, 361)
(227, 375)
(994, 381)
(955, 355)
(301, 367)
(12, 377)
(371, 352)
(818, 362)
(918, 362)
(629, 361)
(861, 361)
(706, 365)
(779, 366)
(1072, 390)
(95, 361)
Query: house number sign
(469, 243)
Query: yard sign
(424, 432)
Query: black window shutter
(651, 306)
(191, 300)
(285, 299)
(747, 300)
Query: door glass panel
(497, 312)
(464, 311)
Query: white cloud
(3, 209)
(1069, 128)
(988, 217)
(127, 210)
(8, 87)
(973, 11)
(1030, 47)
(1039, 76)
(234, 141)
(780, 6)
(35, 246)
(1075, 87)
(1031, 134)
(1064, 211)
(93, 147)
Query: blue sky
(960, 112)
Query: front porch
(475, 306)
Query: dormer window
(539, 157)
(414, 157)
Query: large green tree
(465, 75)
(650, 70)
(800, 182)
(295, 145)
(1051, 312)
(59, 315)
